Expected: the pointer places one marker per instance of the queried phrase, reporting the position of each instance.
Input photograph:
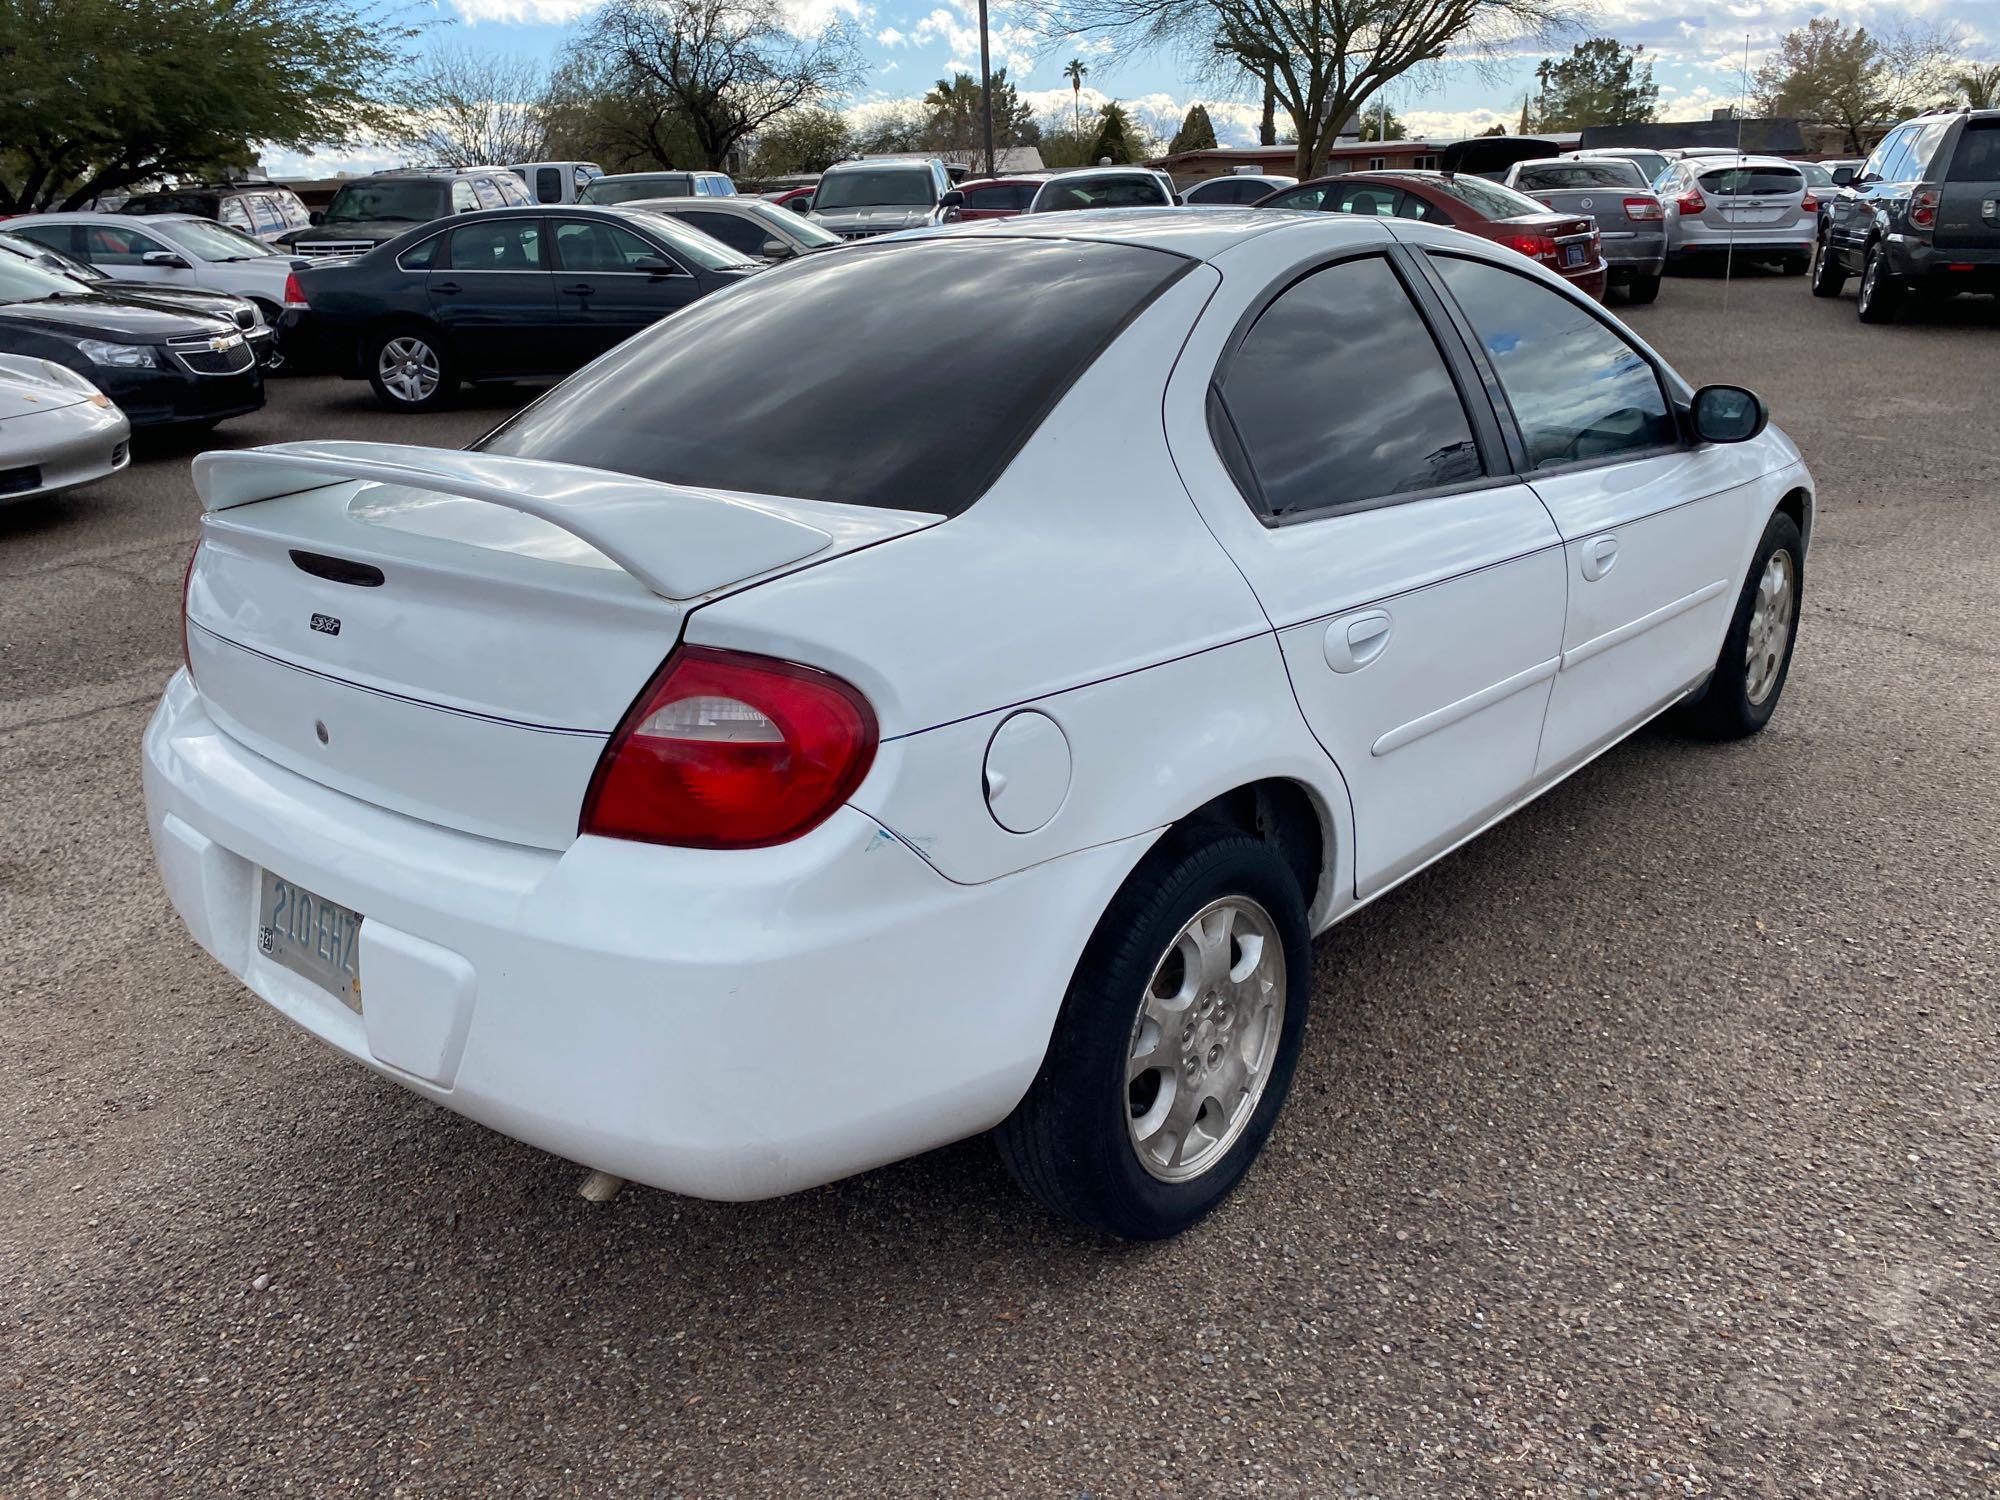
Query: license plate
(1572, 255)
(315, 938)
(1752, 215)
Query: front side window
(462, 201)
(1339, 395)
(738, 234)
(1307, 198)
(234, 214)
(1003, 197)
(587, 245)
(1579, 392)
(1879, 160)
(115, 245)
(821, 379)
(498, 245)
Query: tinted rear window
(1733, 181)
(1579, 174)
(1977, 158)
(901, 375)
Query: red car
(799, 200)
(1567, 244)
(996, 197)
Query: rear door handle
(447, 287)
(581, 289)
(1600, 555)
(1353, 641)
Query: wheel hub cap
(1770, 626)
(1205, 1039)
(409, 369)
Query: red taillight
(1691, 202)
(1923, 208)
(1534, 246)
(1809, 204)
(1642, 208)
(187, 583)
(730, 751)
(295, 295)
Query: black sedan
(160, 366)
(507, 294)
(245, 314)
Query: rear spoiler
(677, 540)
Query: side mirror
(1727, 414)
(777, 249)
(952, 200)
(166, 259)
(654, 266)
(1179, 201)
(1843, 176)
(315, 218)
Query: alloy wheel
(1770, 626)
(1205, 1039)
(409, 369)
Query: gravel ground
(1649, 1145)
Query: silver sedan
(57, 430)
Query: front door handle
(581, 289)
(1600, 556)
(449, 288)
(1353, 641)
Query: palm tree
(1076, 72)
(1981, 86)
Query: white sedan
(780, 749)
(170, 250)
(57, 430)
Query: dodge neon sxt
(779, 750)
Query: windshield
(691, 244)
(630, 189)
(879, 187)
(1489, 198)
(1555, 176)
(213, 241)
(21, 282)
(409, 202)
(821, 379)
(52, 260)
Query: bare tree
(1325, 58)
(468, 109)
(724, 67)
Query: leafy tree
(1372, 128)
(726, 67)
(1599, 83)
(808, 139)
(101, 95)
(1325, 58)
(1117, 138)
(1197, 132)
(1850, 77)
(1494, 130)
(1979, 87)
(465, 109)
(590, 112)
(955, 120)
(902, 127)
(1067, 145)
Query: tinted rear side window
(1977, 158)
(1339, 395)
(825, 380)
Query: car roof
(1747, 159)
(1198, 233)
(740, 203)
(1127, 171)
(92, 215)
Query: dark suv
(263, 210)
(370, 211)
(1923, 216)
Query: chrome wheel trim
(1770, 626)
(409, 369)
(1205, 1039)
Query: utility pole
(986, 86)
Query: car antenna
(1729, 252)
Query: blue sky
(1697, 50)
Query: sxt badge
(326, 624)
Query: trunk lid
(1969, 203)
(1752, 197)
(455, 635)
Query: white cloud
(529, 12)
(889, 36)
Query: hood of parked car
(29, 386)
(883, 219)
(122, 320)
(1491, 155)
(345, 232)
(184, 300)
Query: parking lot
(1651, 1143)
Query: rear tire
(1756, 657)
(1794, 265)
(411, 369)
(1201, 963)
(1828, 276)
(1642, 289)
(1880, 297)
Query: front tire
(1880, 297)
(411, 370)
(1176, 1043)
(1642, 289)
(1828, 278)
(1756, 654)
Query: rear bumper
(1940, 268)
(1688, 242)
(729, 1025)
